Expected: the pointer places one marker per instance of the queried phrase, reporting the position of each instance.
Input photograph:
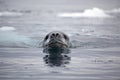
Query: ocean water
(93, 27)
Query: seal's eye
(66, 38)
(46, 37)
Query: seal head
(56, 39)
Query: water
(94, 30)
(21, 63)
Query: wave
(6, 28)
(10, 13)
(88, 13)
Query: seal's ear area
(46, 37)
(66, 37)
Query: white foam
(7, 28)
(89, 13)
(115, 10)
(7, 13)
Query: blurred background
(92, 25)
(89, 23)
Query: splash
(7, 28)
(88, 13)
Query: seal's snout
(55, 36)
(56, 43)
(57, 39)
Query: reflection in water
(56, 57)
(60, 60)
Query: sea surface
(92, 25)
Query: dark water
(93, 27)
(80, 64)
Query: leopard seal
(56, 41)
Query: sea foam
(87, 13)
(117, 10)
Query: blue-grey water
(92, 25)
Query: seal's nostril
(53, 34)
(57, 34)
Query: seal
(56, 39)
